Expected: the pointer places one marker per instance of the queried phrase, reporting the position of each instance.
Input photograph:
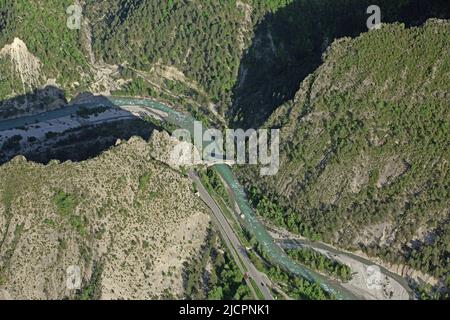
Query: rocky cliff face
(23, 64)
(21, 77)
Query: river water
(250, 220)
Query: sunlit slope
(130, 223)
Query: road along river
(249, 218)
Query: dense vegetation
(365, 140)
(212, 182)
(365, 149)
(223, 282)
(43, 29)
(226, 281)
(289, 43)
(294, 287)
(250, 55)
(317, 261)
(204, 39)
(282, 216)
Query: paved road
(300, 243)
(229, 236)
(251, 221)
(232, 240)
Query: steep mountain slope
(37, 50)
(288, 46)
(235, 58)
(42, 27)
(200, 38)
(365, 139)
(130, 223)
(178, 48)
(364, 149)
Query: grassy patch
(143, 181)
(78, 224)
(65, 203)
(259, 294)
(49, 222)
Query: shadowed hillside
(289, 43)
(42, 126)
